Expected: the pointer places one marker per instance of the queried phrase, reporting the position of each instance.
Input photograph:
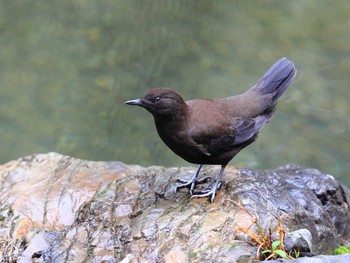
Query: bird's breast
(176, 137)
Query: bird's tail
(276, 80)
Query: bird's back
(223, 127)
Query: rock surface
(345, 258)
(55, 208)
(299, 240)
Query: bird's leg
(192, 182)
(213, 189)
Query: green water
(68, 65)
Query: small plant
(267, 247)
(341, 250)
(273, 252)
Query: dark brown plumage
(214, 131)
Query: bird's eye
(157, 99)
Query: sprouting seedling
(275, 251)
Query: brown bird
(213, 131)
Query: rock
(345, 258)
(299, 240)
(303, 198)
(55, 208)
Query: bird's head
(161, 102)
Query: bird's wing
(217, 140)
(246, 128)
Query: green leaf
(281, 253)
(266, 251)
(276, 244)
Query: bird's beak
(136, 102)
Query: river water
(67, 66)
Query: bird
(213, 131)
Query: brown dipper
(213, 131)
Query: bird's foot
(190, 184)
(204, 193)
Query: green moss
(195, 253)
(341, 250)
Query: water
(67, 67)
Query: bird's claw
(211, 193)
(204, 180)
(205, 193)
(190, 184)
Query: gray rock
(299, 240)
(345, 258)
(303, 198)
